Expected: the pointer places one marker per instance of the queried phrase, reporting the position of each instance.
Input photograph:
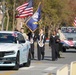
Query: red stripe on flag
(25, 10)
(22, 6)
(24, 15)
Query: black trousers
(32, 50)
(55, 52)
(60, 47)
(40, 52)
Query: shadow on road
(70, 52)
(6, 69)
(48, 58)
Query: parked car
(14, 50)
(70, 35)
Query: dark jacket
(53, 40)
(42, 38)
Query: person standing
(31, 36)
(41, 44)
(53, 43)
(24, 34)
(62, 38)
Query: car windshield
(68, 30)
(6, 38)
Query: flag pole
(30, 18)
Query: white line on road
(50, 68)
(46, 74)
(26, 68)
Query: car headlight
(9, 53)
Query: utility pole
(3, 10)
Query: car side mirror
(16, 40)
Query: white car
(70, 35)
(14, 50)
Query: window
(21, 38)
(6, 38)
(68, 30)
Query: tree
(55, 13)
(14, 3)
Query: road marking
(47, 74)
(50, 68)
(26, 68)
(39, 62)
(8, 73)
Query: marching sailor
(54, 44)
(32, 40)
(41, 45)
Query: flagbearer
(41, 45)
(31, 36)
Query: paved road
(44, 67)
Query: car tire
(28, 61)
(64, 49)
(17, 62)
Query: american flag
(25, 10)
(75, 22)
(22, 7)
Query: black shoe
(56, 59)
(53, 59)
(32, 57)
(38, 59)
(59, 57)
(42, 57)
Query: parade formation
(38, 34)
